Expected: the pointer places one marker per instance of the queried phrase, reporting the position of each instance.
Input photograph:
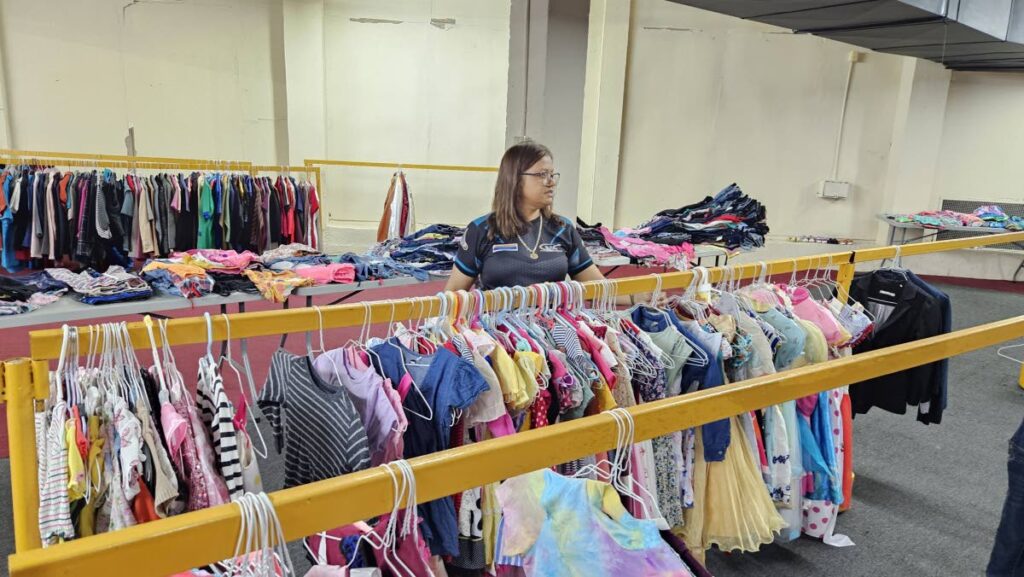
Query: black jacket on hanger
(915, 314)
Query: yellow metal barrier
(206, 536)
(203, 537)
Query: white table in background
(927, 233)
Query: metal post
(24, 478)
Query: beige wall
(195, 79)
(982, 153)
(712, 100)
(399, 88)
(272, 81)
(564, 74)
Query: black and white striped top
(218, 415)
(315, 424)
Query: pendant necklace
(533, 251)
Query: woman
(522, 242)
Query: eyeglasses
(551, 177)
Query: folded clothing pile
(92, 287)
(306, 266)
(221, 261)
(175, 277)
(27, 293)
(431, 249)
(601, 242)
(373, 267)
(730, 219)
(288, 256)
(988, 216)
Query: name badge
(511, 247)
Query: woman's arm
(459, 281)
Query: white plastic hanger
(404, 492)
(619, 475)
(1002, 352)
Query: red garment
(80, 439)
(847, 410)
(64, 180)
(760, 443)
(729, 217)
(411, 550)
(142, 506)
(457, 438)
(314, 208)
(289, 191)
(539, 409)
(403, 222)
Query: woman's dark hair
(505, 219)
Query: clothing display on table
(987, 216)
(27, 293)
(730, 219)
(432, 248)
(91, 287)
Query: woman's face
(539, 185)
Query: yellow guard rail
(203, 537)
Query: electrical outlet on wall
(834, 189)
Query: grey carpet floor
(927, 499)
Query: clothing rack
(206, 536)
(310, 170)
(393, 165)
(41, 154)
(126, 164)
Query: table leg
(284, 337)
(224, 343)
(346, 297)
(309, 335)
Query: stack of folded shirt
(175, 277)
(373, 267)
(431, 249)
(26, 294)
(342, 273)
(288, 256)
(92, 287)
(226, 268)
(222, 261)
(730, 219)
